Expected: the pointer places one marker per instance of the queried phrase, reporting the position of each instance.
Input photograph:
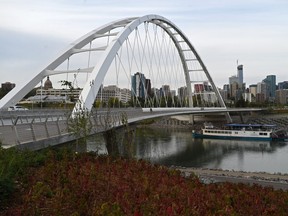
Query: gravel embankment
(207, 176)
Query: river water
(176, 147)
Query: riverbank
(65, 183)
(207, 176)
(185, 121)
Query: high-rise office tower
(240, 74)
(270, 81)
(138, 85)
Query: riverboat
(239, 131)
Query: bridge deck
(38, 129)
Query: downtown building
(49, 94)
(281, 96)
(140, 86)
(237, 85)
(253, 92)
(270, 82)
(7, 86)
(283, 85)
(205, 93)
(55, 95)
(183, 96)
(261, 94)
(112, 91)
(165, 91)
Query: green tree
(70, 86)
(113, 102)
(97, 104)
(163, 102)
(31, 93)
(79, 124)
(67, 84)
(241, 103)
(3, 92)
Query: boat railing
(208, 125)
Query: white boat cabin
(239, 130)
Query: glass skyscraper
(240, 74)
(138, 85)
(271, 85)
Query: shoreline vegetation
(58, 181)
(62, 182)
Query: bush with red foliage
(87, 184)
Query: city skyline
(264, 91)
(33, 33)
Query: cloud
(222, 31)
(23, 54)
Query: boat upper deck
(262, 127)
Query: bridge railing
(15, 134)
(19, 128)
(31, 127)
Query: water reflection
(178, 148)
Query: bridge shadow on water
(176, 147)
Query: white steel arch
(98, 72)
(91, 88)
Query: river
(176, 147)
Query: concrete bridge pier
(191, 119)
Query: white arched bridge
(151, 49)
(145, 62)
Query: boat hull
(199, 135)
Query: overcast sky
(254, 32)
